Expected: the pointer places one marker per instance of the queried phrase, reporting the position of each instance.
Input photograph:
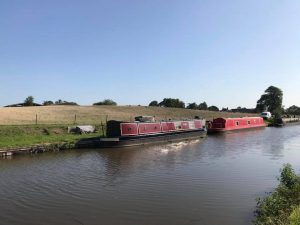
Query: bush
(48, 103)
(203, 106)
(213, 108)
(61, 102)
(276, 208)
(153, 103)
(172, 103)
(106, 102)
(294, 218)
(192, 106)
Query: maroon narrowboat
(123, 134)
(231, 124)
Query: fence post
(75, 119)
(106, 119)
(102, 126)
(36, 119)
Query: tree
(203, 106)
(61, 102)
(48, 103)
(293, 110)
(154, 103)
(106, 102)
(271, 101)
(192, 106)
(58, 102)
(172, 102)
(213, 108)
(29, 101)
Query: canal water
(213, 181)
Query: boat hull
(221, 125)
(223, 130)
(141, 140)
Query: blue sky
(223, 52)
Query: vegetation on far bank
(271, 101)
(96, 114)
(18, 129)
(282, 206)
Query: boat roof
(237, 118)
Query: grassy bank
(14, 136)
(18, 125)
(96, 114)
(281, 207)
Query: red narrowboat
(230, 124)
(123, 134)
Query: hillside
(96, 114)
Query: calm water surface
(214, 181)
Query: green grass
(17, 129)
(294, 218)
(28, 135)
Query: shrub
(276, 208)
(213, 108)
(172, 103)
(48, 103)
(154, 103)
(61, 102)
(192, 106)
(106, 102)
(203, 106)
(294, 218)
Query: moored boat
(123, 134)
(231, 124)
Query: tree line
(177, 103)
(29, 101)
(270, 100)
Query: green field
(18, 126)
(27, 135)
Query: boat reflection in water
(211, 181)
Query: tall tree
(294, 110)
(203, 106)
(29, 101)
(271, 101)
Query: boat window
(248, 122)
(236, 123)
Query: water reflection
(212, 181)
(122, 162)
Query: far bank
(98, 114)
